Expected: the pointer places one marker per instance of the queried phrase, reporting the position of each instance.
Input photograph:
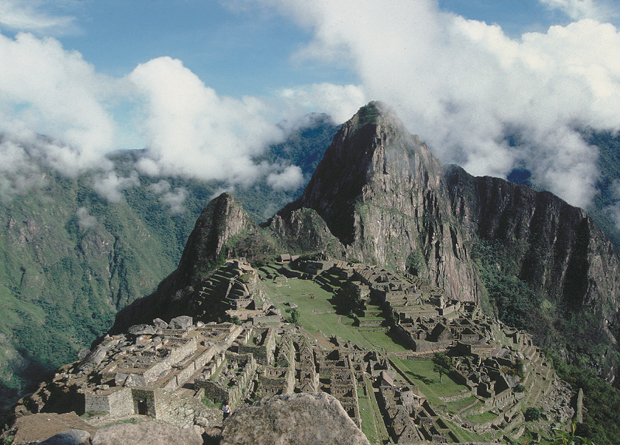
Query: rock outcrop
(295, 419)
(389, 202)
(560, 251)
(383, 195)
(152, 433)
(35, 428)
(379, 196)
(220, 221)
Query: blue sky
(203, 84)
(236, 48)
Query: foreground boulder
(293, 419)
(69, 437)
(42, 427)
(151, 433)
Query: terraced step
(373, 313)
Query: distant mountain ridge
(379, 196)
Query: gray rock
(146, 433)
(201, 421)
(69, 437)
(181, 322)
(94, 358)
(160, 324)
(129, 380)
(141, 329)
(83, 353)
(299, 419)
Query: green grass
(464, 435)
(373, 416)
(368, 424)
(458, 405)
(482, 418)
(318, 315)
(422, 374)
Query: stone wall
(222, 388)
(308, 377)
(116, 403)
(145, 401)
(263, 352)
(190, 368)
(181, 411)
(275, 381)
(178, 352)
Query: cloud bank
(189, 129)
(480, 98)
(47, 90)
(193, 132)
(467, 88)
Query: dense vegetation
(573, 332)
(568, 335)
(601, 418)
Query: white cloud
(290, 178)
(193, 132)
(111, 186)
(339, 101)
(220, 190)
(160, 187)
(47, 90)
(174, 200)
(464, 85)
(582, 9)
(18, 174)
(85, 220)
(20, 15)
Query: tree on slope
(442, 364)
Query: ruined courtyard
(365, 335)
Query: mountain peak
(371, 157)
(376, 113)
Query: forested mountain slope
(70, 258)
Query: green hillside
(70, 259)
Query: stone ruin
(181, 371)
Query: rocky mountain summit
(379, 196)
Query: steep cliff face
(221, 220)
(383, 195)
(389, 202)
(380, 197)
(558, 249)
